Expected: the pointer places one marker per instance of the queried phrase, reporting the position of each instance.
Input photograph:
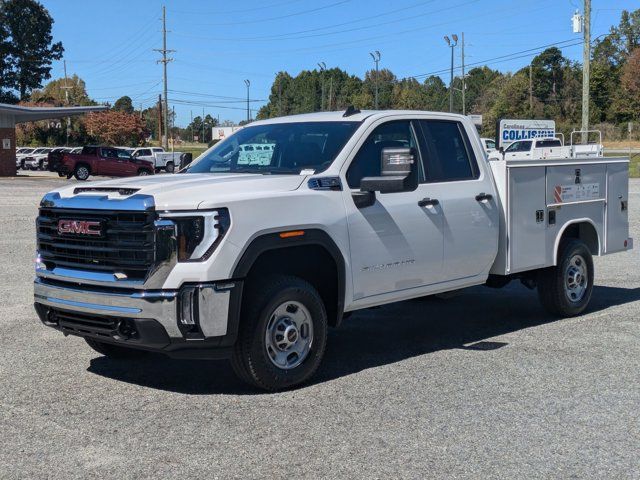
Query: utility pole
(330, 99)
(191, 125)
(279, 97)
(530, 89)
(248, 84)
(464, 81)
(376, 58)
(66, 89)
(452, 45)
(323, 67)
(164, 62)
(203, 124)
(159, 118)
(586, 60)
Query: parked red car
(94, 160)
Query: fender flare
(313, 236)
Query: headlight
(198, 233)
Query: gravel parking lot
(481, 385)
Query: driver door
(396, 243)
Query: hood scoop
(118, 190)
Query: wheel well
(585, 232)
(312, 263)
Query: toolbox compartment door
(527, 219)
(617, 232)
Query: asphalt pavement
(481, 385)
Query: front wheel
(170, 167)
(565, 290)
(82, 172)
(283, 334)
(142, 172)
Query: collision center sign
(510, 131)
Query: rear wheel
(82, 172)
(114, 351)
(565, 290)
(170, 167)
(283, 333)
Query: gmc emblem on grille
(79, 227)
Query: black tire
(82, 172)
(41, 165)
(250, 360)
(115, 351)
(23, 165)
(169, 167)
(554, 283)
(143, 172)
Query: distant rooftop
(30, 114)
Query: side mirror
(397, 172)
(501, 150)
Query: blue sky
(110, 43)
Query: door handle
(481, 197)
(428, 202)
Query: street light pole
(451, 44)
(323, 67)
(376, 58)
(248, 84)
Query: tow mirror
(398, 174)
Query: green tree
(31, 50)
(56, 92)
(124, 104)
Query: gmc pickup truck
(253, 261)
(93, 160)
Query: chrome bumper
(158, 305)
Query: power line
(264, 7)
(327, 27)
(506, 57)
(280, 17)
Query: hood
(187, 191)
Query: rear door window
(446, 152)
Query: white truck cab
(489, 144)
(253, 261)
(163, 160)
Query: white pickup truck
(166, 161)
(254, 261)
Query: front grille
(127, 243)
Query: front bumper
(143, 319)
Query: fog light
(187, 307)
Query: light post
(323, 67)
(451, 44)
(248, 84)
(376, 58)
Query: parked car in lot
(37, 159)
(21, 153)
(97, 160)
(254, 261)
(162, 160)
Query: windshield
(41, 150)
(286, 148)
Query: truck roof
(355, 117)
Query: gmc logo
(79, 227)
